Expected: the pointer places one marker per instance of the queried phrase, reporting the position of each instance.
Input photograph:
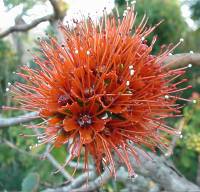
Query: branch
(99, 181)
(163, 172)
(55, 163)
(57, 13)
(25, 27)
(7, 122)
(175, 138)
(183, 59)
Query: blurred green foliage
(8, 61)
(173, 26)
(188, 148)
(195, 8)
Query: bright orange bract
(102, 91)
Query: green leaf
(30, 183)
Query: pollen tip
(133, 176)
(181, 40)
(194, 101)
(191, 52)
(178, 133)
(133, 2)
(168, 154)
(131, 67)
(132, 71)
(166, 96)
(190, 65)
(127, 83)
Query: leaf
(30, 183)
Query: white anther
(7, 89)
(181, 40)
(181, 136)
(131, 67)
(190, 65)
(105, 116)
(166, 96)
(170, 54)
(9, 84)
(76, 51)
(134, 176)
(133, 2)
(132, 71)
(167, 154)
(128, 83)
(143, 38)
(128, 8)
(88, 52)
(178, 133)
(191, 52)
(194, 101)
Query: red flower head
(101, 91)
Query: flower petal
(86, 135)
(98, 125)
(70, 124)
(61, 139)
(75, 108)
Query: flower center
(84, 120)
(63, 100)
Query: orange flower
(102, 90)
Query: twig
(53, 161)
(26, 27)
(58, 166)
(99, 181)
(79, 166)
(175, 138)
(57, 13)
(162, 172)
(13, 146)
(78, 182)
(183, 59)
(7, 122)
